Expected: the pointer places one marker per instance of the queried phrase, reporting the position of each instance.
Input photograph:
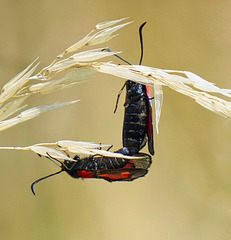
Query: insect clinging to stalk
(137, 126)
(110, 169)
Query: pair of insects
(137, 129)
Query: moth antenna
(40, 179)
(54, 160)
(141, 42)
(109, 147)
(141, 58)
(122, 59)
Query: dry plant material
(63, 72)
(184, 82)
(61, 149)
(74, 66)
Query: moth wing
(150, 125)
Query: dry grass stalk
(73, 67)
(61, 149)
(183, 82)
(63, 72)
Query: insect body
(110, 169)
(137, 127)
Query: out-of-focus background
(187, 193)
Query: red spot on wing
(85, 174)
(125, 174)
(128, 173)
(148, 91)
(115, 175)
(104, 175)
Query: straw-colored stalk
(63, 72)
(61, 149)
(73, 67)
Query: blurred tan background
(187, 193)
